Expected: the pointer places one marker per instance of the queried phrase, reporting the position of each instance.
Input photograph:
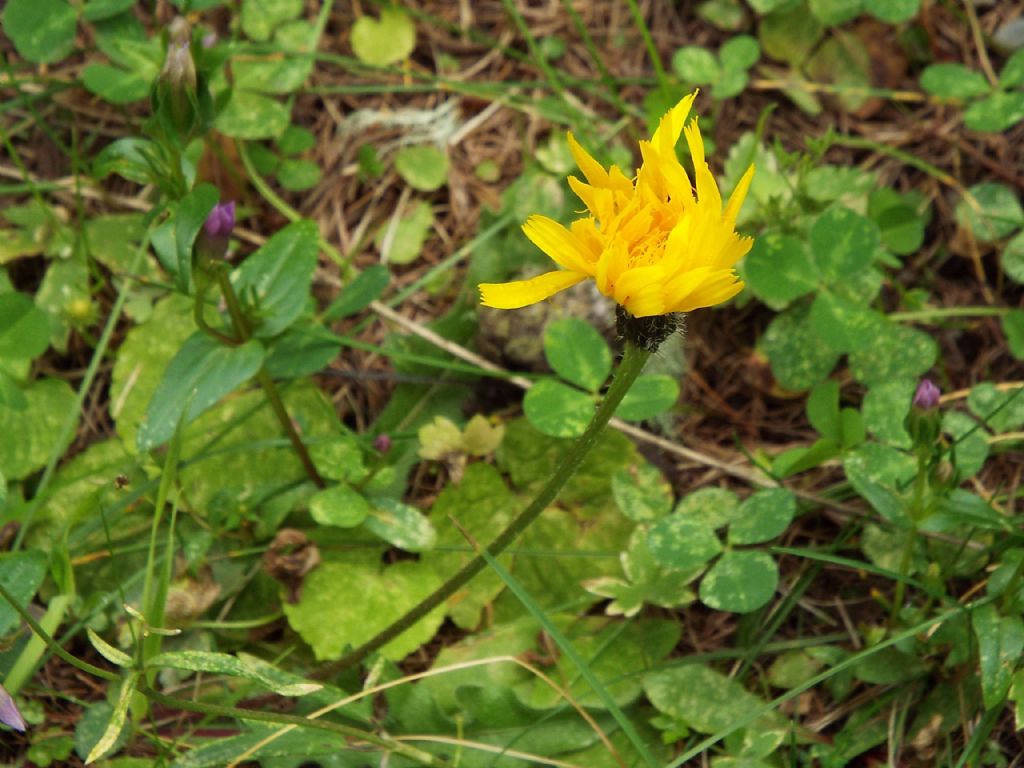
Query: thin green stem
(270, 389)
(47, 638)
(652, 49)
(353, 734)
(941, 312)
(629, 368)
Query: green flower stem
(244, 333)
(629, 368)
(280, 718)
(916, 510)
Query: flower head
(927, 395)
(213, 240)
(9, 714)
(655, 244)
(221, 220)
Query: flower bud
(9, 714)
(924, 421)
(175, 100)
(382, 443)
(212, 242)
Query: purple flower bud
(209, 40)
(9, 714)
(221, 220)
(927, 395)
(382, 443)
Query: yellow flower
(654, 244)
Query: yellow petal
(556, 241)
(671, 124)
(521, 293)
(732, 208)
(592, 169)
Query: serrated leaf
(201, 373)
(276, 279)
(650, 395)
(577, 353)
(763, 516)
(557, 409)
(740, 581)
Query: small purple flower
(221, 220)
(382, 443)
(927, 395)
(9, 714)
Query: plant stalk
(632, 363)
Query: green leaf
(1013, 258)
(118, 715)
(843, 325)
(779, 269)
(832, 13)
(1001, 411)
(400, 240)
(886, 406)
(302, 350)
(43, 31)
(715, 507)
(189, 218)
(740, 582)
(797, 354)
(261, 17)
(400, 525)
(116, 85)
(339, 458)
(763, 516)
(1000, 643)
(277, 278)
(970, 444)
(339, 505)
(679, 541)
(881, 475)
(330, 624)
(952, 80)
(24, 329)
(97, 10)
(296, 140)
(696, 65)
(650, 395)
(11, 395)
(557, 409)
(38, 426)
(366, 287)
(896, 352)
(577, 353)
(107, 651)
(244, 666)
(1013, 330)
(201, 373)
(387, 41)
(823, 409)
(141, 360)
(296, 175)
(842, 243)
(900, 224)
(892, 11)
(423, 168)
(990, 210)
(250, 115)
(641, 492)
(997, 113)
(703, 699)
(21, 573)
(789, 34)
(740, 52)
(1012, 74)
